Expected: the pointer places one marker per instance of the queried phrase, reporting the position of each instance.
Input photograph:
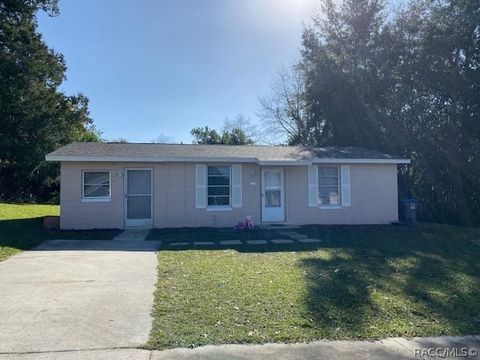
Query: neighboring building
(112, 185)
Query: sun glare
(293, 7)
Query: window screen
(218, 186)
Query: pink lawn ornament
(246, 224)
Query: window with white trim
(329, 185)
(96, 185)
(218, 184)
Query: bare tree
(241, 122)
(119, 140)
(163, 139)
(284, 113)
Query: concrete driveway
(77, 295)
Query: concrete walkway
(69, 295)
(389, 349)
(395, 348)
(133, 234)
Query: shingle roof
(85, 151)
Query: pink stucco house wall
(112, 185)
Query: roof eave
(70, 158)
(360, 161)
(284, 162)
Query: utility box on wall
(408, 210)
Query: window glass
(273, 179)
(273, 198)
(273, 185)
(96, 178)
(328, 185)
(218, 186)
(328, 171)
(219, 170)
(96, 184)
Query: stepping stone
(230, 242)
(293, 234)
(282, 241)
(179, 244)
(298, 236)
(204, 243)
(309, 241)
(257, 242)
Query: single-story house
(118, 185)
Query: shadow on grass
(448, 285)
(21, 233)
(361, 293)
(386, 239)
(376, 281)
(339, 294)
(25, 233)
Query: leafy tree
(205, 135)
(342, 66)
(439, 105)
(35, 117)
(405, 82)
(238, 132)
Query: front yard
(363, 282)
(359, 282)
(21, 228)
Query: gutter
(149, 159)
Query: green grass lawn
(21, 228)
(360, 282)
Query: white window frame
(97, 198)
(220, 207)
(339, 186)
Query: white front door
(138, 197)
(273, 198)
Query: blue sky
(156, 67)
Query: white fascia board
(361, 161)
(146, 159)
(285, 162)
(332, 161)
